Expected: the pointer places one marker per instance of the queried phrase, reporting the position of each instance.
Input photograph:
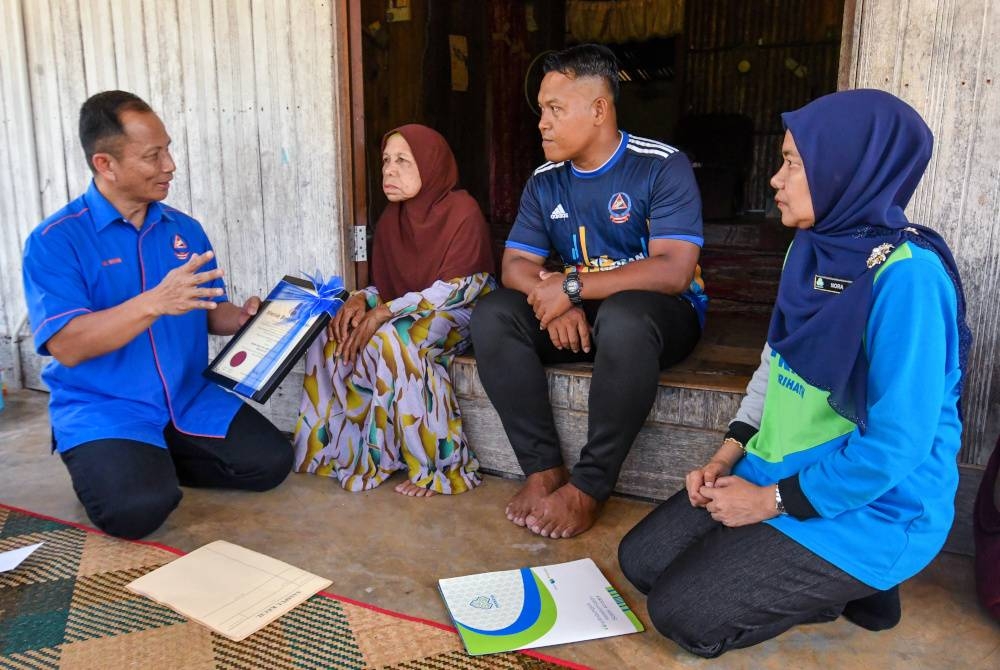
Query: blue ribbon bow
(328, 298)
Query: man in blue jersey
(122, 292)
(623, 214)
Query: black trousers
(711, 588)
(128, 488)
(635, 335)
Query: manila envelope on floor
(230, 589)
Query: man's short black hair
(100, 120)
(585, 60)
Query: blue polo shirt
(86, 258)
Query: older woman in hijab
(837, 480)
(377, 394)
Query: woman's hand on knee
(704, 476)
(348, 349)
(347, 318)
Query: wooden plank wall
(20, 206)
(250, 91)
(943, 57)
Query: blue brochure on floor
(536, 607)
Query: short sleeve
(675, 207)
(529, 233)
(54, 286)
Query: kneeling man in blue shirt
(122, 292)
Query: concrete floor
(387, 550)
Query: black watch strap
(572, 287)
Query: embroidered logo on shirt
(620, 207)
(110, 261)
(181, 248)
(830, 284)
(559, 213)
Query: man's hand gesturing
(181, 290)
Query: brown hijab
(440, 233)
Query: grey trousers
(711, 588)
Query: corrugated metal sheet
(777, 38)
(943, 57)
(249, 90)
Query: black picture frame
(262, 394)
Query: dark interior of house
(708, 76)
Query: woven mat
(66, 606)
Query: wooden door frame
(849, 38)
(357, 195)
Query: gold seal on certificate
(267, 347)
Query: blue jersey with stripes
(604, 218)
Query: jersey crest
(620, 207)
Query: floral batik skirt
(393, 409)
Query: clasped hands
(566, 323)
(731, 500)
(354, 324)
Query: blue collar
(103, 213)
(608, 164)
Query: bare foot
(538, 485)
(408, 488)
(564, 513)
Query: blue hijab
(864, 153)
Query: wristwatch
(779, 506)
(572, 286)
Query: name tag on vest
(830, 284)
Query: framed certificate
(262, 353)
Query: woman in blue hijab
(837, 478)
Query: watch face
(572, 285)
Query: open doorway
(708, 76)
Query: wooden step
(695, 401)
